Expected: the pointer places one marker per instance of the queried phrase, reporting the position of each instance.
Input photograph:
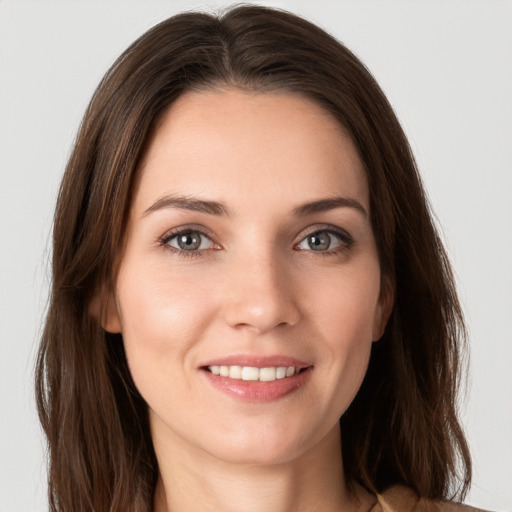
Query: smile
(251, 373)
(262, 383)
(257, 378)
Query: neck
(194, 480)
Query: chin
(269, 445)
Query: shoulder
(403, 499)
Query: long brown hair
(402, 426)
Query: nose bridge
(259, 292)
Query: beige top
(402, 499)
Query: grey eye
(190, 241)
(320, 241)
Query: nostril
(261, 313)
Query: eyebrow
(187, 203)
(215, 208)
(330, 203)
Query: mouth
(257, 379)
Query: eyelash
(345, 244)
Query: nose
(260, 295)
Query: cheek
(345, 318)
(346, 304)
(161, 315)
(348, 342)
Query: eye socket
(323, 240)
(189, 240)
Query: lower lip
(256, 391)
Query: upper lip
(257, 361)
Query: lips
(257, 378)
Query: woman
(251, 308)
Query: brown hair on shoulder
(402, 426)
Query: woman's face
(249, 246)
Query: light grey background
(446, 66)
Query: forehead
(250, 148)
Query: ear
(383, 309)
(104, 309)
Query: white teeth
(250, 373)
(281, 372)
(268, 374)
(235, 372)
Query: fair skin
(249, 245)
